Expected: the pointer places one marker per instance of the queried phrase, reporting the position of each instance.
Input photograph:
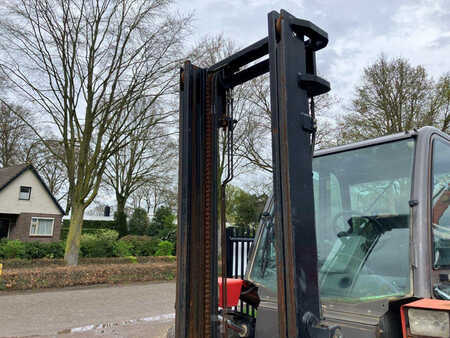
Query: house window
(25, 193)
(41, 226)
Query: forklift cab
(382, 220)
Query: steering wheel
(390, 284)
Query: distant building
(93, 218)
(28, 210)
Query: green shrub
(165, 248)
(55, 249)
(100, 244)
(31, 250)
(3, 242)
(122, 249)
(93, 224)
(107, 234)
(65, 232)
(142, 245)
(162, 224)
(34, 250)
(13, 249)
(139, 222)
(91, 246)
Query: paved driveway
(137, 310)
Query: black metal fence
(239, 243)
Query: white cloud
(359, 32)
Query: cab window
(362, 224)
(440, 200)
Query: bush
(55, 249)
(92, 231)
(100, 244)
(139, 222)
(92, 224)
(34, 250)
(122, 249)
(31, 250)
(142, 245)
(93, 246)
(165, 248)
(13, 249)
(162, 224)
(107, 234)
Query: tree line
(88, 94)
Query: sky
(359, 32)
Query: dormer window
(25, 193)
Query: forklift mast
(291, 46)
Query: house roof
(9, 174)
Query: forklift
(382, 220)
(355, 241)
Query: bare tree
(442, 95)
(207, 52)
(52, 169)
(151, 195)
(17, 141)
(149, 155)
(256, 143)
(252, 135)
(84, 64)
(394, 97)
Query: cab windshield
(362, 224)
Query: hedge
(89, 227)
(58, 277)
(18, 263)
(30, 250)
(100, 245)
(93, 231)
(92, 224)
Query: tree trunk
(121, 217)
(73, 239)
(69, 199)
(121, 201)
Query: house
(28, 210)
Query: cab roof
(424, 131)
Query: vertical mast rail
(293, 81)
(196, 298)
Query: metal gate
(239, 245)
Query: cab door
(439, 216)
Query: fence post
(229, 234)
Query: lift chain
(227, 124)
(314, 124)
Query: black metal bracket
(308, 123)
(313, 84)
(318, 38)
